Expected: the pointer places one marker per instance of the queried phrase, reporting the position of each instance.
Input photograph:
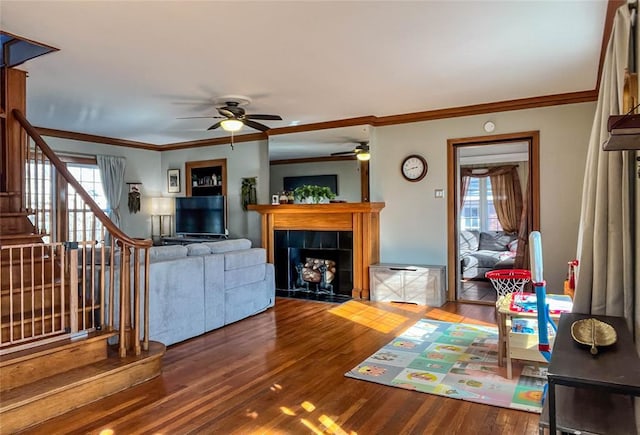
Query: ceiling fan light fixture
(231, 125)
(363, 156)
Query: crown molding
(72, 135)
(429, 115)
(349, 122)
(479, 109)
(214, 141)
(312, 160)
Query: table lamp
(161, 212)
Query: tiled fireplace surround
(347, 233)
(293, 248)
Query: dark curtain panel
(507, 198)
(526, 226)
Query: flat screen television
(201, 215)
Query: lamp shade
(231, 125)
(161, 206)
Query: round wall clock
(414, 167)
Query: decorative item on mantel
(312, 194)
(134, 197)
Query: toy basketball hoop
(507, 281)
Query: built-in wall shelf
(206, 177)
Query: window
(39, 194)
(478, 211)
(82, 223)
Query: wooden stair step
(24, 213)
(36, 297)
(33, 403)
(29, 275)
(10, 201)
(28, 325)
(40, 252)
(30, 365)
(15, 222)
(30, 236)
(20, 239)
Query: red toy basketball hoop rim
(509, 274)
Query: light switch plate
(439, 193)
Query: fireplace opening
(314, 264)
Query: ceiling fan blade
(198, 117)
(344, 153)
(255, 125)
(264, 117)
(214, 126)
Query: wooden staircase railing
(74, 290)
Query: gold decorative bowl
(592, 332)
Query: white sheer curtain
(112, 173)
(606, 280)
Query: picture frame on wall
(173, 180)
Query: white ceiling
(129, 69)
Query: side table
(592, 394)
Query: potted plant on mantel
(311, 194)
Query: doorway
(493, 204)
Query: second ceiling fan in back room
(361, 152)
(233, 116)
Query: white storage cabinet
(420, 284)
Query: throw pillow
(495, 240)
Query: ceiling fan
(234, 117)
(361, 152)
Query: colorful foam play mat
(456, 360)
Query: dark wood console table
(592, 394)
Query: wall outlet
(438, 193)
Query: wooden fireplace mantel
(361, 218)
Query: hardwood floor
(282, 372)
(477, 290)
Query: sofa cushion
(198, 249)
(247, 275)
(485, 258)
(169, 252)
(469, 240)
(244, 258)
(495, 240)
(228, 245)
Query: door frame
(533, 139)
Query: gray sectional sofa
(481, 252)
(196, 288)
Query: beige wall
(414, 223)
(348, 172)
(247, 159)
(142, 166)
